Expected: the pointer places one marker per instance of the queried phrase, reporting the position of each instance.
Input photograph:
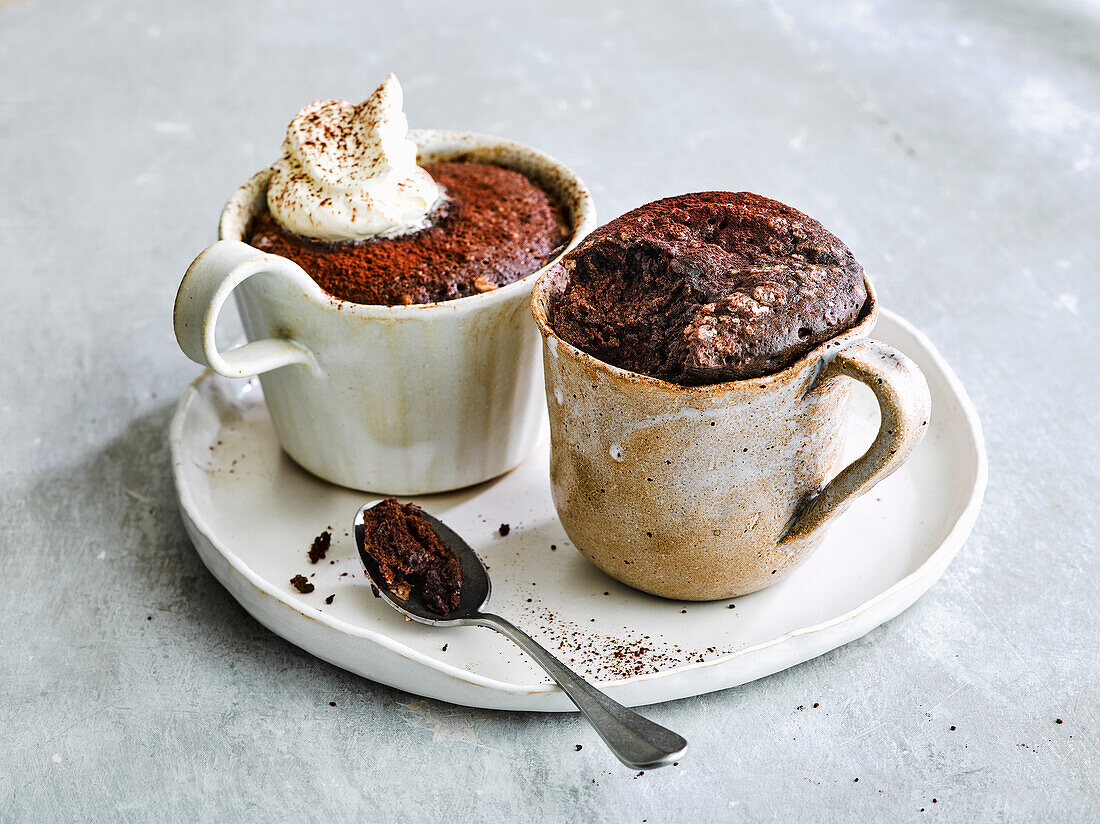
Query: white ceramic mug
(402, 400)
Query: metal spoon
(636, 742)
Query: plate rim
(933, 566)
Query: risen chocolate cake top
(707, 287)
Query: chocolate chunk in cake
(495, 226)
(706, 288)
(410, 555)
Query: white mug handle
(209, 282)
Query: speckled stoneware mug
(706, 492)
(404, 400)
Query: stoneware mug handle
(209, 282)
(905, 404)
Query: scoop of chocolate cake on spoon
(431, 575)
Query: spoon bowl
(475, 578)
(636, 741)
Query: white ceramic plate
(252, 514)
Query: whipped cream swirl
(349, 172)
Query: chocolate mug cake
(494, 227)
(349, 204)
(389, 330)
(708, 287)
(699, 354)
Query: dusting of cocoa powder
(494, 227)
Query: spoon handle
(636, 741)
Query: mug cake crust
(708, 287)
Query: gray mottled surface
(955, 146)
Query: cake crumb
(302, 584)
(319, 547)
(329, 599)
(504, 530)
